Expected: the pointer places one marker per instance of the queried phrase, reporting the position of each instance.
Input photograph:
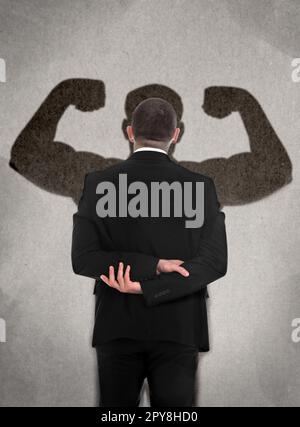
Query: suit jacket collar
(154, 156)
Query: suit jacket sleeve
(90, 259)
(207, 266)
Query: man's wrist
(158, 271)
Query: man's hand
(123, 283)
(170, 265)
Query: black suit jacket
(171, 307)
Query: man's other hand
(170, 265)
(123, 283)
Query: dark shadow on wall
(58, 168)
(242, 178)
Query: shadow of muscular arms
(249, 176)
(58, 168)
(53, 165)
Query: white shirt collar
(150, 149)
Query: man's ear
(130, 134)
(175, 136)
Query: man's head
(154, 124)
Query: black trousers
(170, 369)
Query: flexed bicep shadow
(58, 168)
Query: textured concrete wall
(186, 45)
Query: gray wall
(47, 358)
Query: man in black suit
(152, 264)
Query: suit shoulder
(194, 175)
(105, 173)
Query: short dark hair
(154, 119)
